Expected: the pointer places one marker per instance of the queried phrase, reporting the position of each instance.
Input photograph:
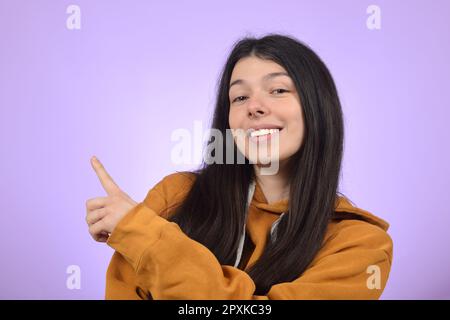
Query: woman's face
(262, 95)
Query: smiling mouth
(252, 133)
(257, 136)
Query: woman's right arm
(120, 276)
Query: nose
(256, 109)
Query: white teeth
(261, 132)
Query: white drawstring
(273, 229)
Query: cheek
(297, 135)
(295, 132)
(233, 119)
(293, 138)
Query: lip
(262, 126)
(267, 137)
(265, 126)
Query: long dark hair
(213, 211)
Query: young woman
(229, 231)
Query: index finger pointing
(105, 179)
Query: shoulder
(176, 182)
(357, 235)
(356, 227)
(170, 191)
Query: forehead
(254, 68)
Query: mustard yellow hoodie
(154, 259)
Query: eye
(282, 90)
(239, 99)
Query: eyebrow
(265, 78)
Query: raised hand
(104, 213)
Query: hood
(344, 209)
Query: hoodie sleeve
(353, 264)
(167, 264)
(121, 278)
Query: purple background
(137, 70)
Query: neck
(276, 186)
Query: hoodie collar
(260, 202)
(344, 209)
